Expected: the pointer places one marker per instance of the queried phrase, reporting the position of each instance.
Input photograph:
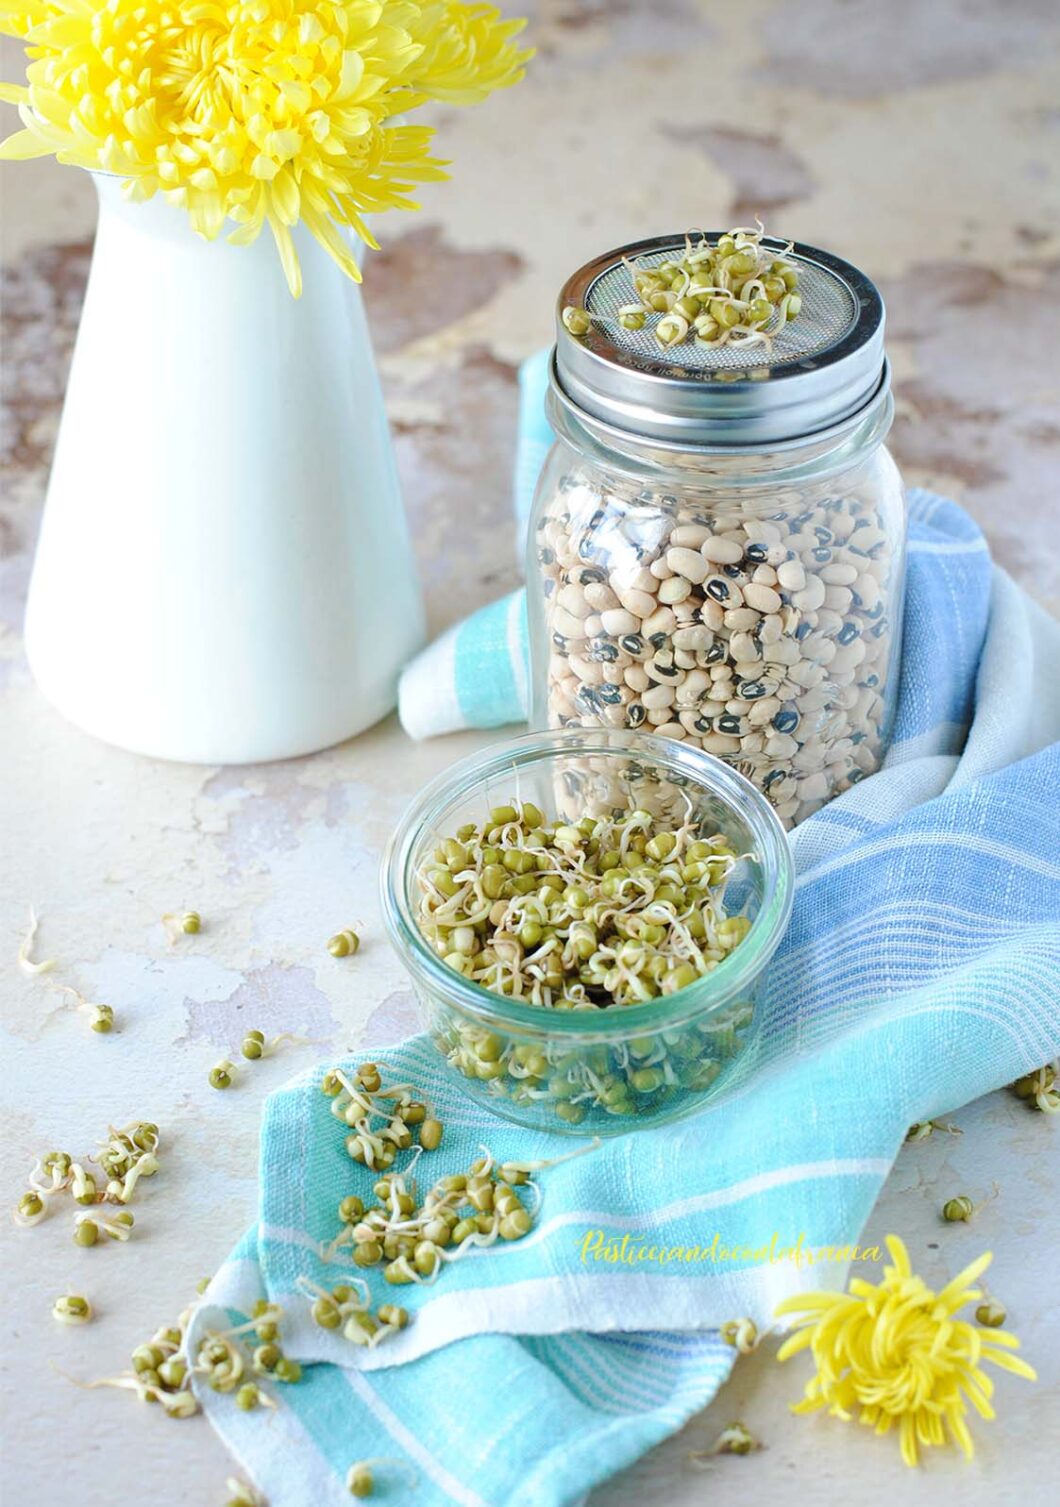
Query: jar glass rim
(631, 454)
(705, 996)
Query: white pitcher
(224, 573)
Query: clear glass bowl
(557, 1069)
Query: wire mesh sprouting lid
(817, 371)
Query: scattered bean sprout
(242, 1494)
(741, 1334)
(124, 1157)
(991, 1314)
(72, 1309)
(360, 1478)
(100, 1017)
(25, 961)
(923, 1128)
(1038, 1089)
(344, 943)
(159, 1371)
(961, 1210)
(181, 924)
(736, 1439)
(410, 1238)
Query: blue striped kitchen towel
(921, 970)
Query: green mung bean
(737, 291)
(72, 1309)
(604, 932)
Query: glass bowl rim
(703, 997)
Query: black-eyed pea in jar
(717, 544)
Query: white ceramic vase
(224, 572)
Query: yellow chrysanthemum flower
(256, 111)
(896, 1354)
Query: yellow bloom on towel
(254, 111)
(896, 1354)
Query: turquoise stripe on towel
(490, 663)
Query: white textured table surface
(276, 859)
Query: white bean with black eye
(712, 625)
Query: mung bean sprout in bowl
(587, 915)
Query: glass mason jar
(717, 548)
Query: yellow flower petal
(899, 1255)
(288, 256)
(1001, 1337)
(959, 1429)
(794, 1343)
(283, 144)
(264, 167)
(333, 243)
(219, 105)
(247, 234)
(1011, 1363)
(285, 198)
(807, 1300)
(894, 1355)
(955, 1290)
(22, 145)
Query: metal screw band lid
(819, 370)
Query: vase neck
(162, 221)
